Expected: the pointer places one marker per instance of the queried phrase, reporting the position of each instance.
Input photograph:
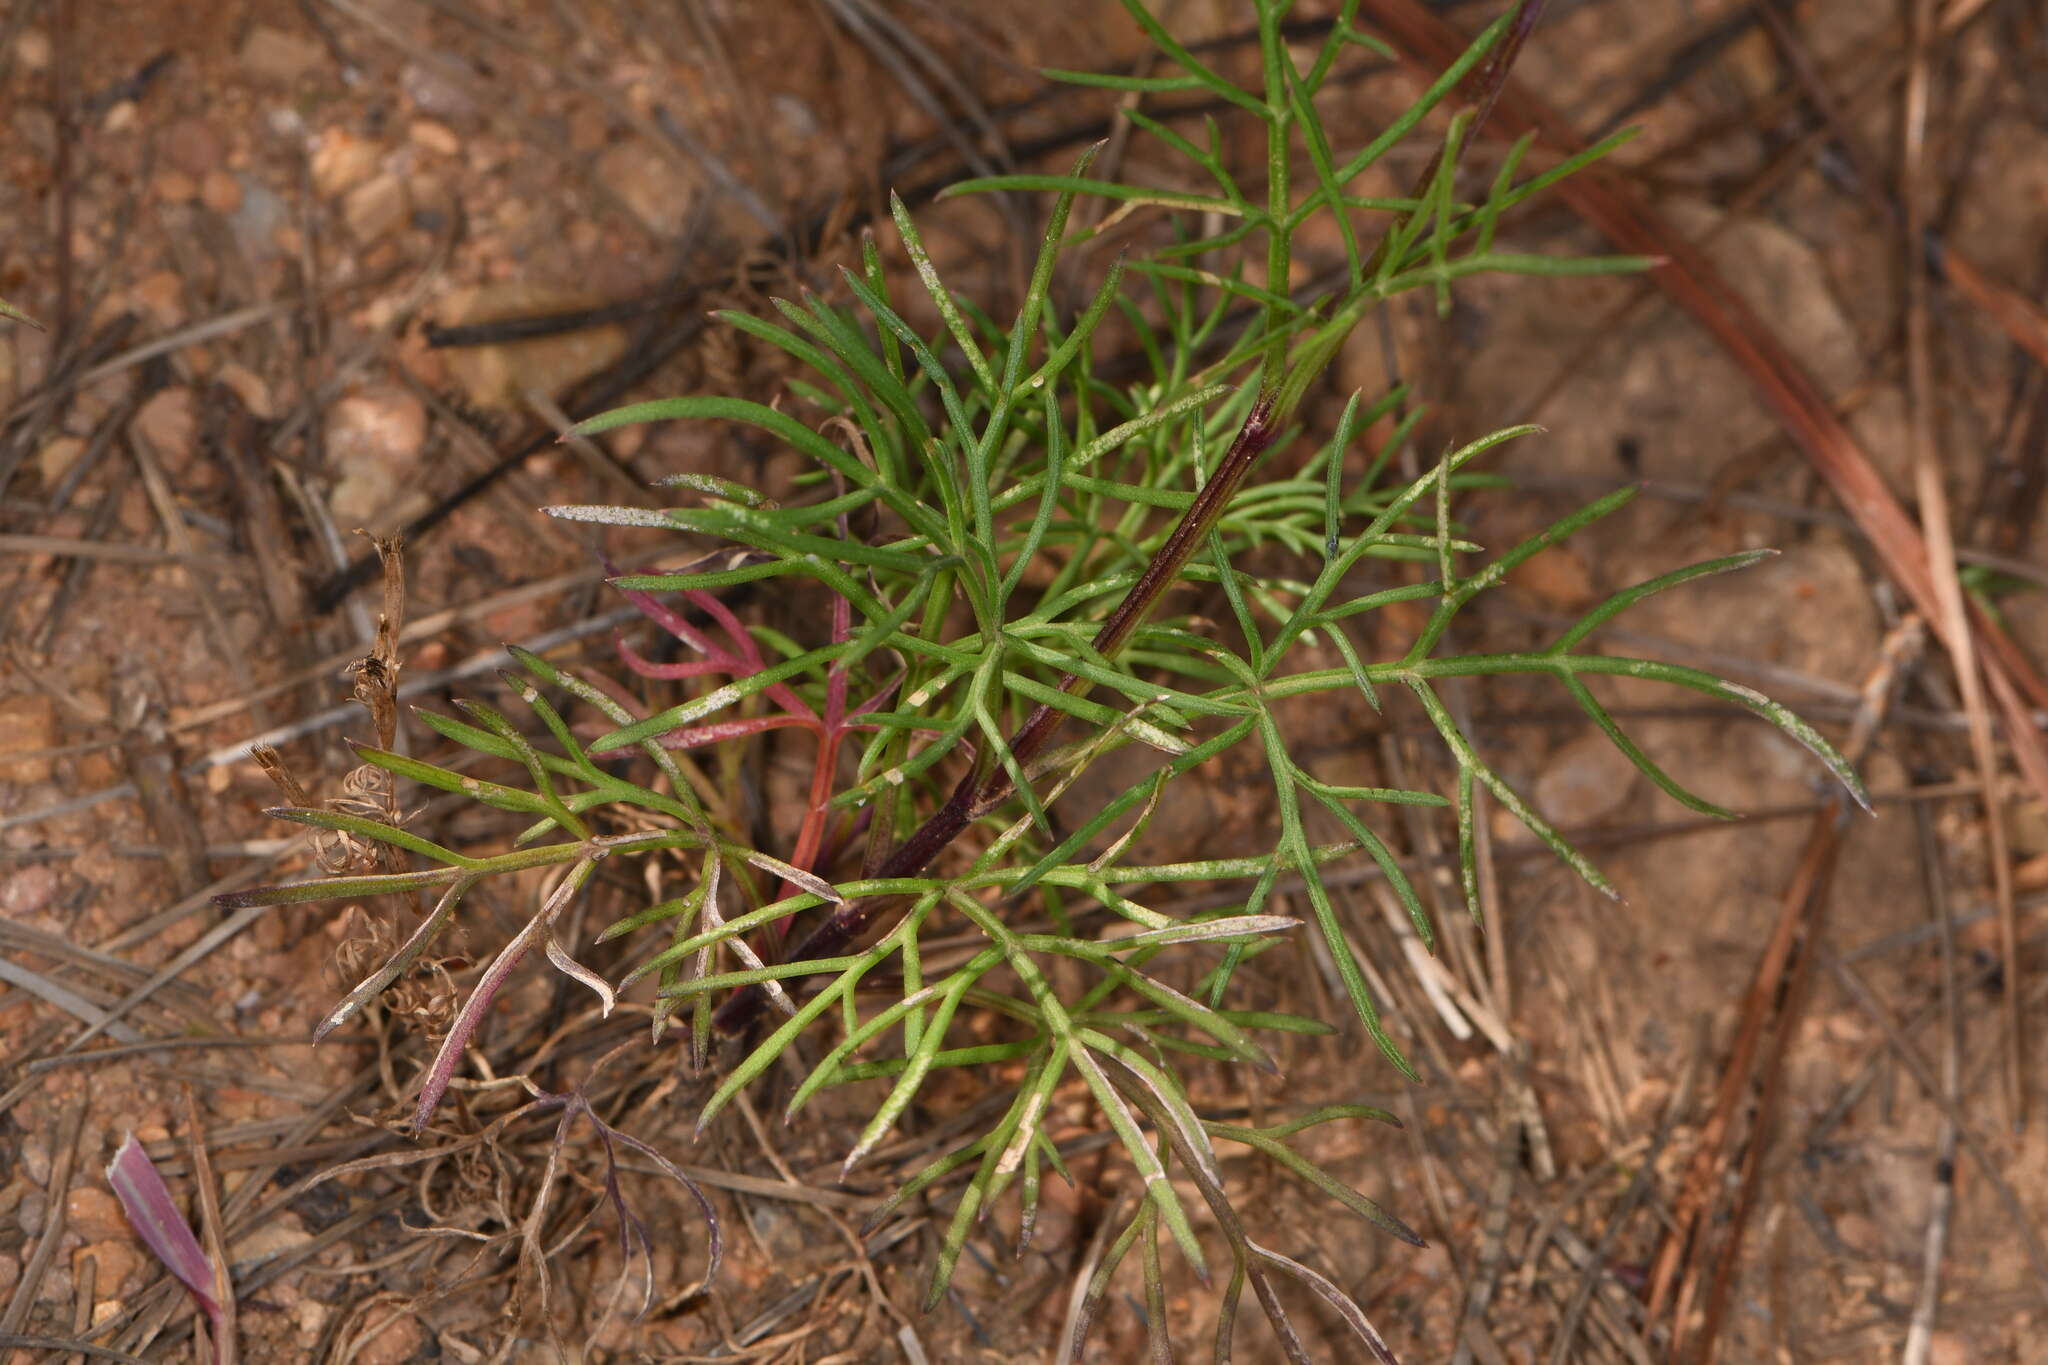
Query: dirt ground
(244, 223)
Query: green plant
(991, 525)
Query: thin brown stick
(72, 547)
(1988, 1165)
(1771, 1008)
(1486, 1271)
(1807, 901)
(1941, 1204)
(58, 1190)
(2019, 317)
(226, 1347)
(1953, 618)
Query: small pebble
(173, 186)
(94, 1214)
(1584, 782)
(193, 146)
(28, 722)
(32, 50)
(434, 136)
(270, 54)
(342, 161)
(29, 891)
(221, 192)
(376, 208)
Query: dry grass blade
(1916, 1066)
(226, 1347)
(66, 999)
(38, 1261)
(71, 547)
(50, 1346)
(2018, 316)
(1932, 492)
(1941, 1205)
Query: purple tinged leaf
(879, 700)
(155, 1216)
(717, 732)
(538, 930)
(1343, 1304)
(795, 876)
(742, 660)
(575, 970)
(441, 1072)
(741, 637)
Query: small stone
(342, 161)
(221, 192)
(94, 1214)
(29, 891)
(161, 296)
(28, 1214)
(375, 208)
(275, 1237)
(652, 186)
(27, 723)
(32, 50)
(2031, 875)
(193, 146)
(250, 387)
(797, 119)
(309, 1316)
(433, 93)
(1584, 782)
(167, 421)
(281, 58)
(57, 1287)
(500, 376)
(257, 222)
(1947, 1348)
(511, 217)
(434, 136)
(374, 439)
(384, 422)
(37, 1162)
(395, 1344)
(589, 129)
(1558, 578)
(56, 458)
(173, 186)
